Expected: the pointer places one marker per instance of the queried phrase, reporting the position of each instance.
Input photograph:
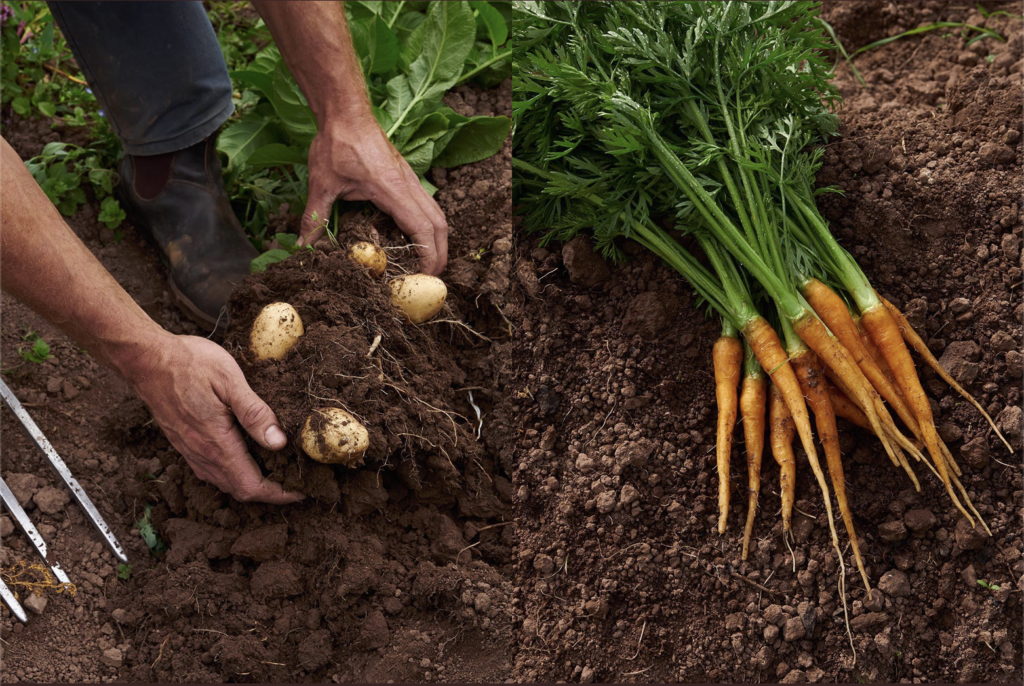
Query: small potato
(418, 296)
(370, 256)
(276, 329)
(333, 436)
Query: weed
(38, 353)
(988, 585)
(148, 533)
(124, 571)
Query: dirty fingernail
(275, 437)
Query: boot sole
(199, 317)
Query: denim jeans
(155, 68)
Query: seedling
(148, 533)
(989, 585)
(38, 353)
(124, 571)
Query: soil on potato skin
(394, 570)
(623, 574)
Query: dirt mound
(623, 575)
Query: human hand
(355, 160)
(195, 391)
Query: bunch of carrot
(708, 113)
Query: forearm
(316, 45)
(48, 268)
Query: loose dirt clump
(623, 575)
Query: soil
(392, 571)
(623, 576)
(573, 538)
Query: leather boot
(192, 222)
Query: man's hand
(356, 161)
(195, 391)
(350, 157)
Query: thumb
(315, 217)
(257, 418)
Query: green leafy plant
(989, 585)
(124, 571)
(38, 353)
(288, 247)
(60, 170)
(148, 533)
(411, 55)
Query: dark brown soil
(396, 570)
(623, 576)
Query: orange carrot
(845, 408)
(809, 370)
(854, 383)
(727, 356)
(766, 346)
(886, 335)
(753, 400)
(915, 340)
(781, 436)
(876, 354)
(834, 313)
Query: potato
(418, 296)
(276, 329)
(333, 436)
(370, 256)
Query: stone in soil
(895, 583)
(35, 603)
(51, 499)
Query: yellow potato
(276, 329)
(333, 436)
(418, 296)
(370, 256)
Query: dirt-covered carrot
(809, 370)
(886, 335)
(836, 315)
(781, 436)
(875, 353)
(753, 408)
(916, 342)
(727, 356)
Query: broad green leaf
(477, 139)
(430, 127)
(276, 155)
(47, 108)
(420, 156)
(111, 213)
(268, 258)
(248, 134)
(22, 106)
(266, 60)
(491, 21)
(291, 107)
(450, 32)
(261, 81)
(376, 45)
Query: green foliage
(288, 243)
(964, 30)
(60, 170)
(411, 54)
(38, 353)
(988, 585)
(148, 533)
(124, 571)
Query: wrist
(135, 360)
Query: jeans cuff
(185, 140)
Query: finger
(433, 211)
(254, 415)
(243, 478)
(416, 225)
(319, 204)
